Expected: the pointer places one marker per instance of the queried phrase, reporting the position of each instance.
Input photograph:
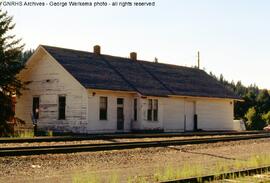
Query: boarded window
(61, 107)
(155, 110)
(150, 109)
(35, 107)
(135, 109)
(103, 105)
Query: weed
(81, 178)
(170, 172)
(49, 133)
(195, 170)
(25, 134)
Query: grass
(93, 178)
(30, 134)
(49, 133)
(78, 178)
(24, 134)
(171, 172)
(219, 167)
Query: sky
(233, 36)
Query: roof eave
(209, 97)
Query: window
(35, 107)
(103, 105)
(61, 107)
(120, 101)
(135, 109)
(152, 112)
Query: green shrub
(266, 117)
(254, 120)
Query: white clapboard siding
(174, 114)
(48, 80)
(144, 124)
(215, 114)
(95, 125)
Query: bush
(251, 114)
(254, 120)
(266, 117)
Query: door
(120, 114)
(189, 115)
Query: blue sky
(233, 36)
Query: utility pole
(198, 57)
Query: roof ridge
(117, 72)
(121, 57)
(151, 62)
(70, 49)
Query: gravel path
(125, 164)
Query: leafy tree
(254, 121)
(266, 117)
(251, 114)
(10, 66)
(241, 108)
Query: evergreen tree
(26, 55)
(10, 66)
(263, 102)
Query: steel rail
(122, 136)
(222, 176)
(37, 150)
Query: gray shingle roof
(148, 78)
(90, 70)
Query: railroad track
(37, 150)
(122, 136)
(221, 176)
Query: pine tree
(26, 55)
(263, 101)
(10, 66)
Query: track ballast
(55, 149)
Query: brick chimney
(133, 56)
(97, 49)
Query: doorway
(189, 115)
(120, 114)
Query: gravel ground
(2, 145)
(124, 164)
